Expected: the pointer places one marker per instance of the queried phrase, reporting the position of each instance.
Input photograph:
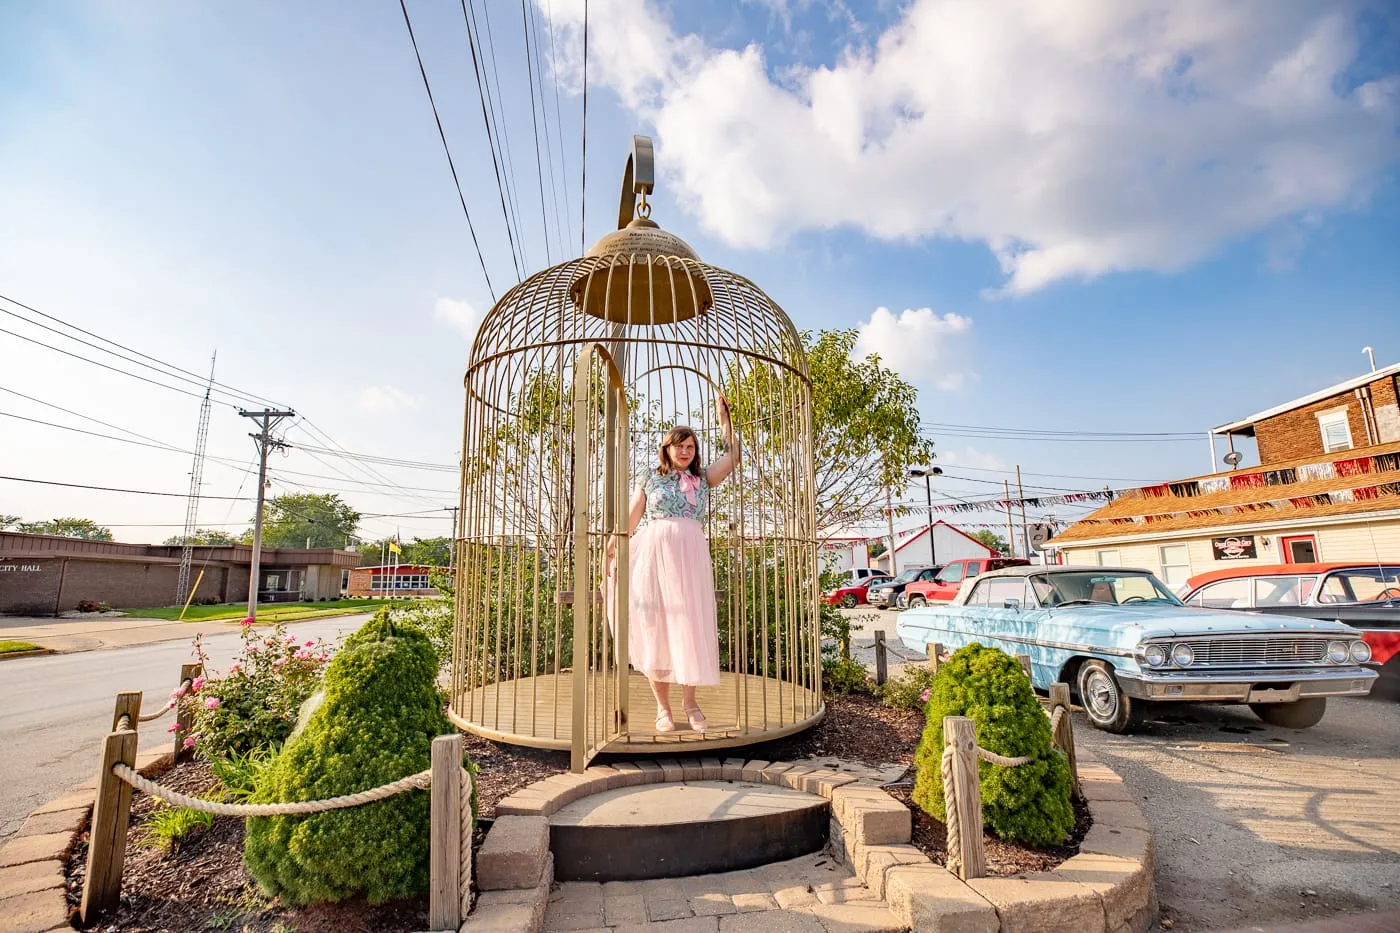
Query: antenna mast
(182, 589)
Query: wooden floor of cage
(741, 710)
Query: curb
(1106, 888)
(33, 653)
(33, 892)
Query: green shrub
(845, 676)
(432, 617)
(239, 772)
(910, 689)
(254, 703)
(376, 723)
(1029, 804)
(168, 826)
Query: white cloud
(1074, 139)
(458, 314)
(383, 400)
(973, 458)
(917, 344)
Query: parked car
(949, 580)
(1121, 639)
(854, 575)
(853, 594)
(883, 595)
(1365, 596)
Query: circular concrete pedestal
(673, 830)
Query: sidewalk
(1387, 922)
(69, 635)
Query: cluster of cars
(915, 586)
(1281, 638)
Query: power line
(105, 366)
(483, 94)
(237, 393)
(446, 149)
(534, 123)
(134, 492)
(559, 221)
(583, 158)
(498, 102)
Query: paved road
(54, 710)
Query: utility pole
(452, 560)
(263, 439)
(889, 520)
(1010, 536)
(1025, 529)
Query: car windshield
(1111, 587)
(909, 575)
(1361, 585)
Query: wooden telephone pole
(269, 419)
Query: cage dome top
(639, 273)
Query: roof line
(1338, 389)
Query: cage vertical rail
(573, 378)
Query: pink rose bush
(253, 705)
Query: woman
(672, 634)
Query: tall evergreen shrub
(1028, 804)
(376, 724)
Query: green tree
(435, 552)
(991, 539)
(877, 547)
(68, 528)
(8, 522)
(324, 519)
(203, 536)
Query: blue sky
(1135, 217)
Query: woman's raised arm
(723, 466)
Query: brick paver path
(810, 894)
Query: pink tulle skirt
(672, 632)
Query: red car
(854, 594)
(945, 586)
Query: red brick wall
(28, 587)
(1295, 434)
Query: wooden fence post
(1025, 661)
(1064, 732)
(182, 712)
(935, 651)
(881, 661)
(111, 813)
(966, 790)
(445, 835)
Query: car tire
(848, 601)
(1300, 714)
(917, 602)
(1104, 701)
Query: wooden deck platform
(536, 712)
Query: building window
(1110, 559)
(1336, 432)
(1176, 564)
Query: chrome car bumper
(1274, 686)
(878, 600)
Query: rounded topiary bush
(1029, 804)
(380, 713)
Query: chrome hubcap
(1101, 696)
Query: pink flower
(189, 742)
(279, 662)
(923, 697)
(302, 654)
(247, 621)
(198, 683)
(310, 644)
(177, 692)
(213, 703)
(289, 638)
(173, 727)
(235, 668)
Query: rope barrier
(464, 864)
(159, 713)
(953, 850)
(1002, 760)
(420, 781)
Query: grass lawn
(8, 647)
(267, 612)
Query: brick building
(409, 580)
(45, 575)
(1327, 488)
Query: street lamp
(928, 473)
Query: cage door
(600, 504)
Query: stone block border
(33, 860)
(1106, 888)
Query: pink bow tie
(689, 484)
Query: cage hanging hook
(638, 178)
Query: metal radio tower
(182, 589)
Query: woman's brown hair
(679, 435)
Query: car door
(949, 580)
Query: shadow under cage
(575, 376)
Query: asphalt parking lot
(1254, 824)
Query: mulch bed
(203, 885)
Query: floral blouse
(674, 495)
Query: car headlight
(1182, 655)
(1155, 655)
(1338, 652)
(1360, 652)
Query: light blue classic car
(1120, 639)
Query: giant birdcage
(575, 375)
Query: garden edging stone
(1106, 888)
(33, 898)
